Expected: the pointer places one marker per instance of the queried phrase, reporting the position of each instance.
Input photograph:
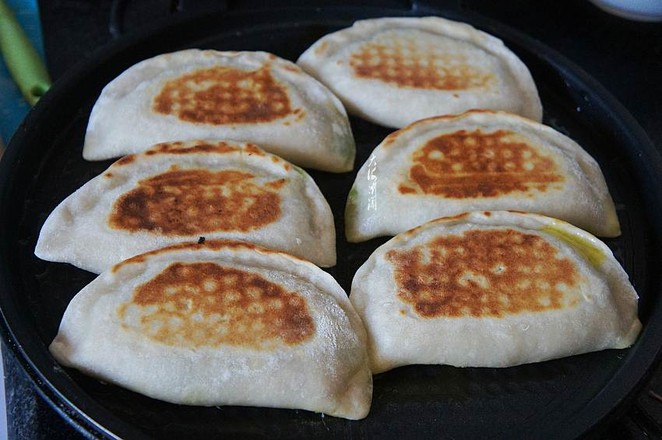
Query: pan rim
(621, 390)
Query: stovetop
(625, 56)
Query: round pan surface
(559, 399)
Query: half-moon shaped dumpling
(245, 96)
(221, 323)
(479, 160)
(492, 289)
(394, 71)
(183, 191)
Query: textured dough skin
(511, 87)
(315, 134)
(326, 373)
(77, 231)
(375, 205)
(605, 316)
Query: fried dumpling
(479, 160)
(184, 191)
(221, 323)
(245, 96)
(394, 71)
(492, 289)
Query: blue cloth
(13, 107)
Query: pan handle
(22, 60)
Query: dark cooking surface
(625, 57)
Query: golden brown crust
(223, 95)
(406, 63)
(484, 273)
(470, 164)
(206, 304)
(198, 201)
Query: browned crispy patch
(194, 246)
(322, 48)
(223, 95)
(181, 148)
(197, 201)
(468, 164)
(206, 304)
(126, 160)
(406, 62)
(484, 273)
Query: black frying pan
(560, 399)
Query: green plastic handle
(22, 60)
